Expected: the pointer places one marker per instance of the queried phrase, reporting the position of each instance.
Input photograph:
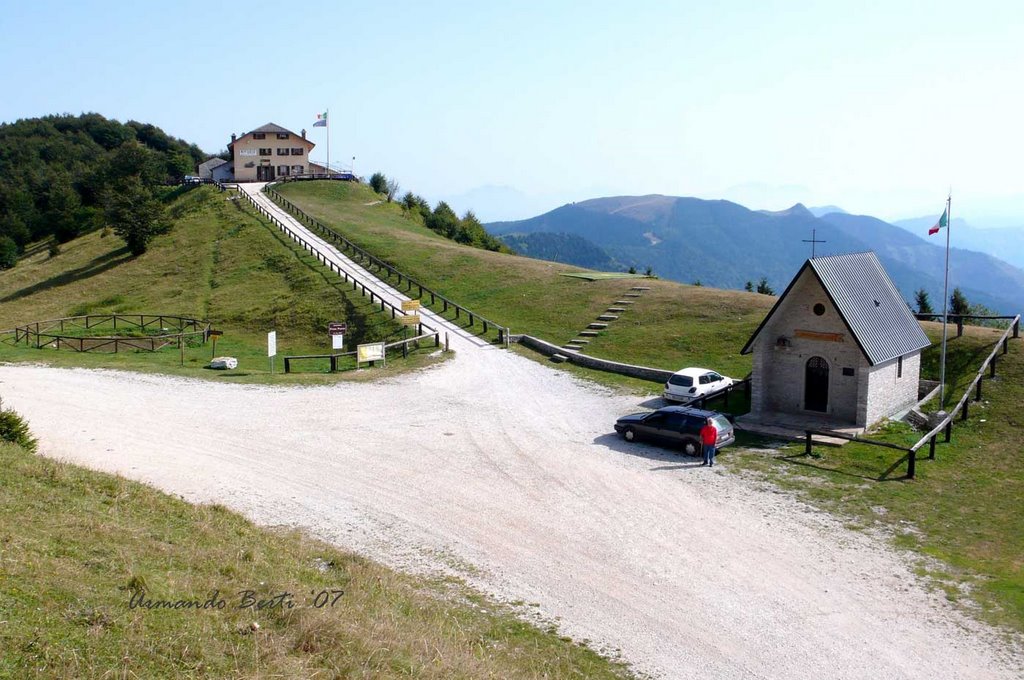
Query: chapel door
(816, 385)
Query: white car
(693, 383)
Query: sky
(511, 109)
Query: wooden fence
(55, 332)
(375, 298)
(946, 425)
(958, 319)
(333, 358)
(369, 261)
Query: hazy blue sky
(876, 107)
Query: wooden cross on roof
(813, 241)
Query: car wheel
(691, 447)
(629, 435)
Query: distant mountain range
(1006, 243)
(725, 245)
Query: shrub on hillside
(378, 182)
(14, 429)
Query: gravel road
(509, 473)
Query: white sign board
(371, 352)
(272, 343)
(337, 342)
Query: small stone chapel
(840, 346)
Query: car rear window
(721, 423)
(681, 380)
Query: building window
(297, 152)
(265, 152)
(899, 367)
(282, 170)
(819, 309)
(848, 372)
(282, 152)
(259, 135)
(298, 169)
(282, 135)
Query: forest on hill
(57, 172)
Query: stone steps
(589, 334)
(597, 325)
(559, 358)
(607, 317)
(616, 310)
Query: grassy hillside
(670, 326)
(76, 546)
(221, 262)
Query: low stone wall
(656, 375)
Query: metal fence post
(912, 464)
(949, 430)
(931, 448)
(992, 367)
(807, 445)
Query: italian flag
(943, 222)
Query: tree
(763, 288)
(8, 252)
(924, 305)
(391, 188)
(697, 283)
(632, 270)
(958, 303)
(378, 182)
(649, 271)
(749, 287)
(134, 214)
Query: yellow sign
(371, 352)
(409, 320)
(410, 305)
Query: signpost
(215, 335)
(271, 348)
(409, 320)
(337, 332)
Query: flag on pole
(943, 222)
(321, 120)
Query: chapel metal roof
(868, 302)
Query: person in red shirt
(709, 437)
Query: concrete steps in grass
(604, 320)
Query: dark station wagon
(675, 425)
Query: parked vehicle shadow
(655, 403)
(675, 459)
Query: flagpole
(945, 305)
(327, 117)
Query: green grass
(76, 545)
(670, 326)
(221, 262)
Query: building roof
(868, 303)
(271, 128)
(212, 163)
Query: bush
(14, 429)
(378, 182)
